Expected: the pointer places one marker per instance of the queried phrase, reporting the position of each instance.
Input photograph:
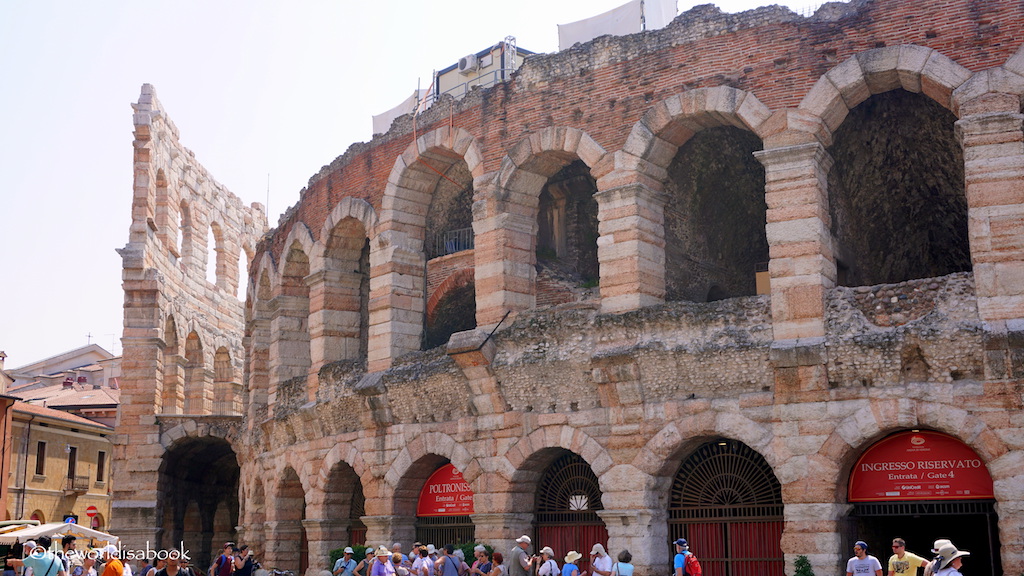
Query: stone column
(993, 141)
(282, 544)
(289, 349)
(642, 531)
(631, 247)
(505, 243)
(388, 529)
(501, 529)
(812, 530)
(802, 265)
(397, 305)
(322, 536)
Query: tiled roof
(26, 408)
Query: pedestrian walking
(862, 563)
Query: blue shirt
(568, 569)
(45, 564)
(680, 562)
(623, 569)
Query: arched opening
(896, 192)
(212, 255)
(198, 480)
(196, 397)
(568, 497)
(172, 399)
(715, 217)
(346, 318)
(449, 221)
(415, 497)
(226, 387)
(567, 234)
(726, 501)
(919, 477)
(444, 507)
(344, 499)
(97, 522)
(38, 515)
(186, 247)
(257, 329)
(454, 312)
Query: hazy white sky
(256, 88)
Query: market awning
(55, 528)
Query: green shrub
(803, 566)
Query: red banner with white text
(445, 494)
(920, 465)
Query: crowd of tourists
(946, 560)
(428, 560)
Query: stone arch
(564, 437)
(198, 395)
(286, 537)
(431, 443)
(913, 68)
(340, 284)
(663, 452)
(349, 207)
(514, 193)
(895, 183)
(656, 137)
(187, 239)
(173, 356)
(410, 184)
(397, 324)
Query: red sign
(920, 466)
(445, 494)
(91, 511)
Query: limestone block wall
(190, 243)
(808, 376)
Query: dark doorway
(971, 525)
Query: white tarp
(382, 122)
(629, 18)
(32, 532)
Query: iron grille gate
(356, 528)
(565, 517)
(441, 530)
(727, 503)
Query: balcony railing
(452, 241)
(77, 484)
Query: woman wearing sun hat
(570, 568)
(546, 565)
(950, 560)
(383, 565)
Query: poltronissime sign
(445, 493)
(921, 465)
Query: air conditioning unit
(468, 64)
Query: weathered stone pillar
(501, 529)
(289, 349)
(644, 532)
(505, 245)
(631, 247)
(322, 536)
(992, 136)
(333, 320)
(812, 530)
(388, 529)
(282, 544)
(802, 265)
(397, 305)
(173, 395)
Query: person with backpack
(224, 564)
(685, 563)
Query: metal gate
(565, 516)
(356, 528)
(441, 530)
(727, 503)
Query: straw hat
(572, 556)
(382, 551)
(948, 553)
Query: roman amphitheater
(752, 279)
